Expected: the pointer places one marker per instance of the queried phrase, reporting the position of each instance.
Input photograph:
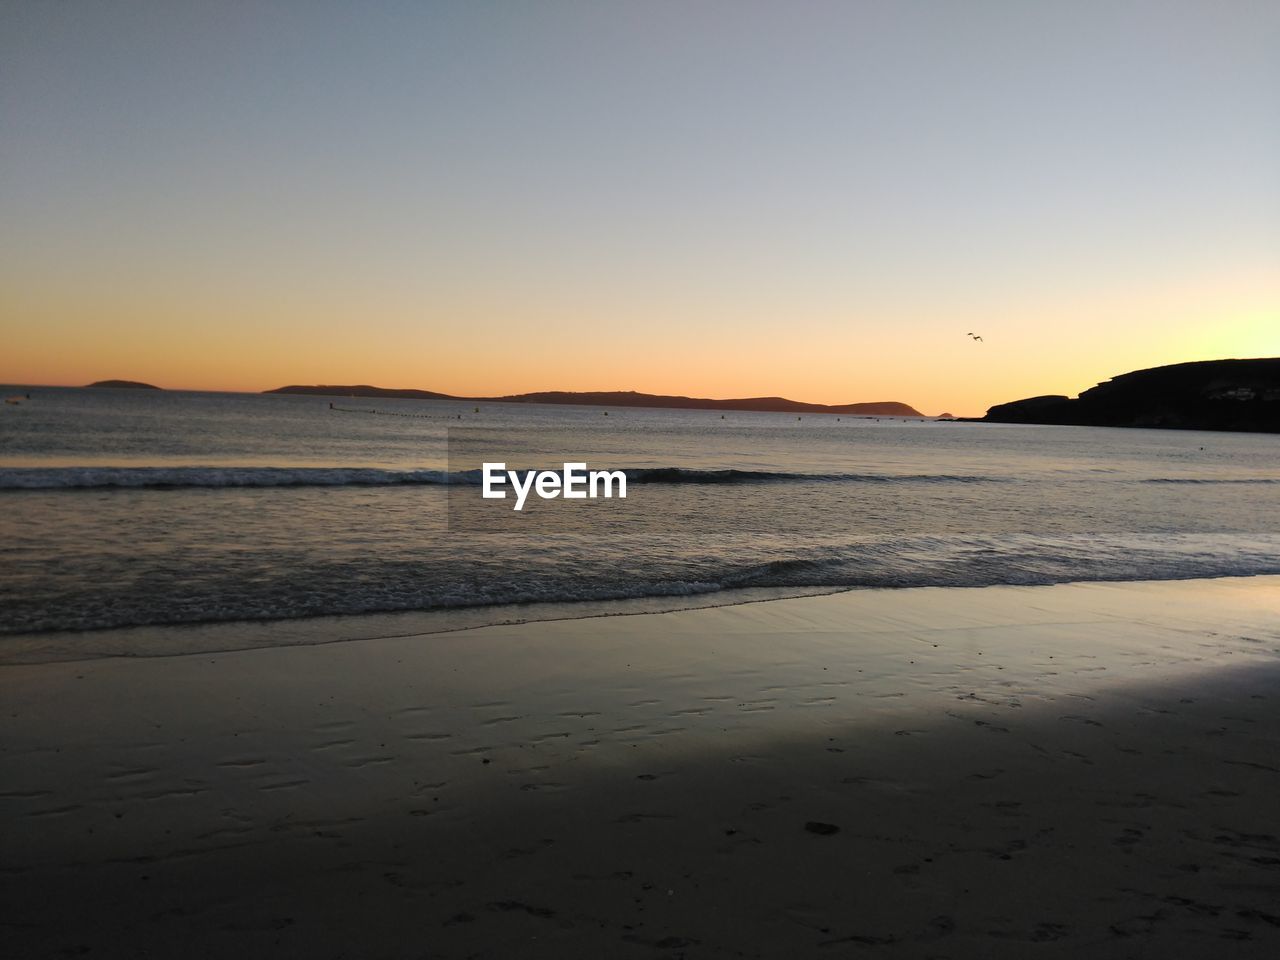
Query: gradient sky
(816, 200)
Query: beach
(564, 480)
(929, 772)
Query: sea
(130, 518)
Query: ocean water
(123, 509)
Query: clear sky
(817, 200)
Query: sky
(724, 199)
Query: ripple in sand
(643, 817)
(54, 811)
(135, 773)
(369, 761)
(175, 792)
(284, 785)
(334, 725)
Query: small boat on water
(14, 400)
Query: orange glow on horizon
(908, 356)
(496, 199)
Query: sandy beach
(637, 481)
(1000, 772)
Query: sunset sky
(814, 200)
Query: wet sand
(998, 772)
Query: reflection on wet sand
(949, 772)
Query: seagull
(977, 338)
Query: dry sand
(1080, 770)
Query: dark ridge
(1240, 395)
(123, 385)
(362, 390)
(622, 398)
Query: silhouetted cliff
(1204, 395)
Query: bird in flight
(977, 338)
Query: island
(1239, 395)
(123, 385)
(622, 398)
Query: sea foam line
(85, 478)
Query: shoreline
(146, 641)
(914, 772)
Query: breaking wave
(160, 478)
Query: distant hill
(621, 398)
(363, 390)
(1239, 395)
(124, 385)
